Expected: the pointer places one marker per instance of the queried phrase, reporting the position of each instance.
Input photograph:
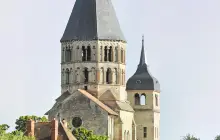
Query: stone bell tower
(93, 50)
(144, 95)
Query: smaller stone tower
(143, 93)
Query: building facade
(94, 93)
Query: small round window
(138, 81)
(77, 122)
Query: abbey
(94, 93)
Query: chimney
(54, 129)
(64, 123)
(30, 128)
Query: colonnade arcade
(92, 75)
(88, 53)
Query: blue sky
(181, 41)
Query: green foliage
(21, 122)
(3, 128)
(69, 125)
(15, 135)
(217, 137)
(84, 134)
(190, 137)
(18, 136)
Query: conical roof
(142, 79)
(92, 20)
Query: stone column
(79, 54)
(119, 55)
(122, 61)
(104, 76)
(72, 54)
(98, 76)
(103, 53)
(111, 77)
(119, 76)
(96, 51)
(75, 54)
(122, 77)
(64, 55)
(86, 54)
(124, 57)
(107, 54)
(116, 77)
(113, 54)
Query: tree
(21, 122)
(190, 137)
(217, 137)
(15, 135)
(84, 134)
(3, 128)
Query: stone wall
(77, 105)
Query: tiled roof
(142, 79)
(124, 106)
(92, 20)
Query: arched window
(102, 75)
(156, 99)
(145, 132)
(116, 76)
(116, 54)
(122, 77)
(68, 55)
(123, 74)
(143, 99)
(108, 76)
(67, 76)
(101, 54)
(110, 54)
(122, 56)
(86, 75)
(63, 55)
(83, 53)
(125, 135)
(88, 53)
(106, 54)
(136, 99)
(63, 77)
(128, 136)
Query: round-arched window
(77, 122)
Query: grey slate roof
(92, 20)
(142, 79)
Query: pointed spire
(142, 58)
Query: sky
(182, 49)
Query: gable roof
(98, 102)
(63, 96)
(107, 95)
(92, 20)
